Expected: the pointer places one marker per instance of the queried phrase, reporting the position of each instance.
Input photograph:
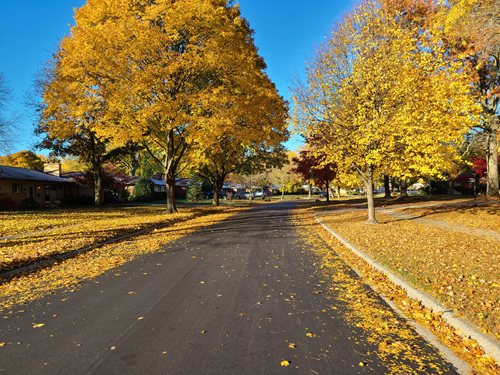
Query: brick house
(20, 184)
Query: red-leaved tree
(312, 168)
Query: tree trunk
(387, 186)
(217, 188)
(492, 160)
(370, 198)
(403, 188)
(98, 186)
(310, 191)
(282, 193)
(393, 184)
(216, 198)
(171, 205)
(327, 191)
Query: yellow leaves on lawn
(383, 323)
(70, 273)
(310, 334)
(285, 363)
(480, 217)
(38, 325)
(459, 269)
(55, 232)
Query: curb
(490, 346)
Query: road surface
(236, 298)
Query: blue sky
(286, 33)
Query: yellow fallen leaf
(362, 364)
(38, 325)
(2, 344)
(310, 334)
(292, 345)
(285, 363)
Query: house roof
(157, 182)
(14, 173)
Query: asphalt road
(229, 299)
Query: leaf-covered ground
(480, 217)
(466, 349)
(396, 341)
(70, 273)
(23, 222)
(28, 237)
(459, 269)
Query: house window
(160, 189)
(17, 188)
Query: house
(19, 184)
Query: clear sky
(286, 33)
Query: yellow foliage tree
(471, 28)
(230, 156)
(175, 76)
(23, 159)
(382, 96)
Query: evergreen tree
(195, 193)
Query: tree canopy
(177, 77)
(382, 96)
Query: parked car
(259, 193)
(249, 195)
(323, 194)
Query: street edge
(487, 343)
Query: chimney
(53, 169)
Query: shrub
(8, 204)
(195, 191)
(29, 204)
(142, 189)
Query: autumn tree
(171, 75)
(284, 178)
(382, 98)
(71, 164)
(69, 109)
(244, 160)
(314, 169)
(471, 29)
(23, 159)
